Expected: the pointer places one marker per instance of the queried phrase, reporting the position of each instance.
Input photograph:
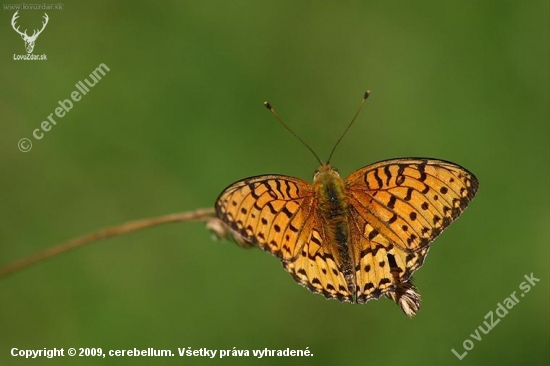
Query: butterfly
(353, 239)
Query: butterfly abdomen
(334, 209)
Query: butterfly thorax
(333, 206)
(329, 191)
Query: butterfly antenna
(367, 93)
(268, 106)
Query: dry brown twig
(215, 225)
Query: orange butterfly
(355, 239)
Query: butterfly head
(324, 172)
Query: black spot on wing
(388, 174)
(391, 260)
(315, 240)
(378, 180)
(271, 208)
(373, 234)
(287, 212)
(409, 194)
(391, 202)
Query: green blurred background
(180, 116)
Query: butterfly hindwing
(317, 269)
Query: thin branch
(205, 214)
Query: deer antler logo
(29, 41)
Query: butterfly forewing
(273, 212)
